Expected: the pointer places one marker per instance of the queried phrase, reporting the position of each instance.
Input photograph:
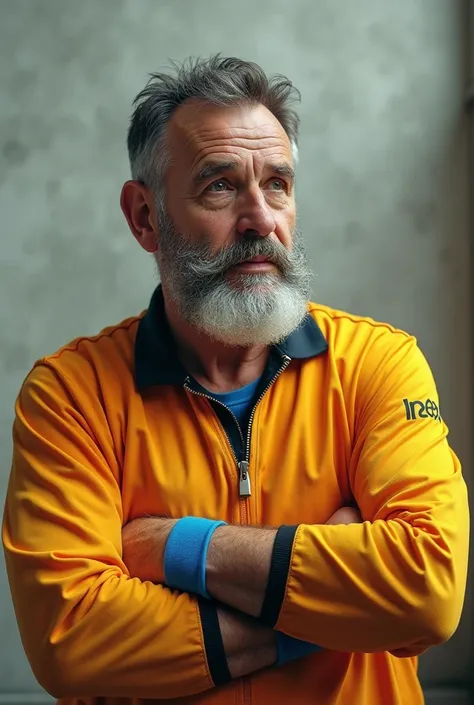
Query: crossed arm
(237, 570)
(238, 560)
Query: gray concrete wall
(382, 187)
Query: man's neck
(217, 367)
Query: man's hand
(345, 515)
(144, 541)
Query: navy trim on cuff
(215, 654)
(278, 575)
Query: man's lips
(255, 265)
(258, 262)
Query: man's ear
(138, 206)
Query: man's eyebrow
(219, 167)
(213, 169)
(283, 169)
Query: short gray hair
(217, 80)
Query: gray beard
(253, 309)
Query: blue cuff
(186, 554)
(290, 649)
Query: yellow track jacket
(111, 428)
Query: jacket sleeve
(87, 627)
(396, 582)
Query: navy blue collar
(156, 357)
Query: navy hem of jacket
(278, 576)
(213, 644)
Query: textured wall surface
(382, 184)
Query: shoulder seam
(92, 339)
(361, 319)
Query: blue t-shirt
(239, 401)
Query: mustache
(213, 265)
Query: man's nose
(256, 215)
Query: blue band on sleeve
(290, 649)
(186, 554)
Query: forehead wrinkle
(239, 134)
(226, 146)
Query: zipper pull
(245, 489)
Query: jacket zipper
(215, 401)
(245, 487)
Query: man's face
(228, 253)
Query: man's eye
(219, 186)
(277, 185)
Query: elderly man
(181, 519)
